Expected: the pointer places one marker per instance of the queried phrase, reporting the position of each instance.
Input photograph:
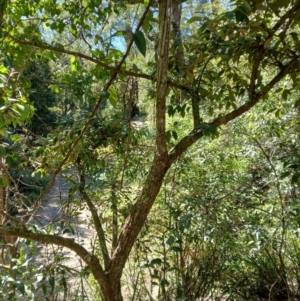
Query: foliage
(39, 75)
(15, 108)
(197, 200)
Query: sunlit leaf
(113, 96)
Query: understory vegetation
(175, 125)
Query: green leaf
(170, 240)
(174, 134)
(247, 5)
(229, 15)
(295, 178)
(140, 42)
(297, 104)
(104, 95)
(186, 216)
(2, 151)
(3, 70)
(113, 96)
(135, 68)
(285, 94)
(285, 174)
(44, 288)
(199, 58)
(156, 261)
(260, 6)
(168, 136)
(190, 77)
(66, 230)
(21, 287)
(72, 59)
(63, 282)
(164, 282)
(267, 43)
(52, 282)
(176, 249)
(194, 19)
(171, 110)
(240, 16)
(295, 36)
(25, 82)
(204, 26)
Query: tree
(39, 75)
(234, 60)
(15, 110)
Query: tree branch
(195, 135)
(287, 15)
(91, 260)
(97, 62)
(95, 217)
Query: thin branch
(13, 219)
(97, 62)
(195, 109)
(272, 166)
(49, 128)
(10, 177)
(96, 219)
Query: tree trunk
(114, 288)
(178, 47)
(2, 197)
(10, 240)
(2, 181)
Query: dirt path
(52, 212)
